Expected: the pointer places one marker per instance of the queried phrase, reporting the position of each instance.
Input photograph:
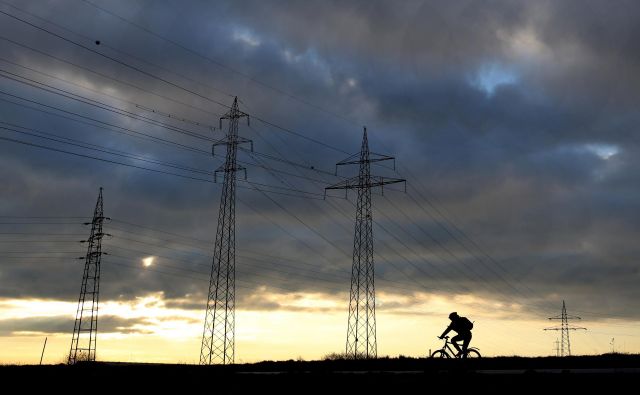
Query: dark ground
(386, 375)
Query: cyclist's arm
(446, 331)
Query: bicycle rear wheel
(473, 354)
(440, 354)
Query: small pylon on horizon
(565, 343)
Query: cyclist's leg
(454, 340)
(465, 343)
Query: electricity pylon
(565, 344)
(218, 337)
(361, 326)
(85, 329)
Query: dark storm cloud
(60, 324)
(538, 165)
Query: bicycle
(447, 351)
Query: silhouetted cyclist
(462, 326)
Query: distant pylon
(85, 329)
(565, 344)
(218, 337)
(361, 326)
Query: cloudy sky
(514, 123)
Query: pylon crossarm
(568, 329)
(356, 182)
(225, 168)
(220, 142)
(225, 141)
(356, 160)
(234, 115)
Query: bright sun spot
(148, 261)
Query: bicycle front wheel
(473, 354)
(440, 354)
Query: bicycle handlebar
(443, 337)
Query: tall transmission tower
(361, 326)
(218, 337)
(565, 343)
(85, 329)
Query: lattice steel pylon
(85, 329)
(218, 337)
(565, 343)
(361, 325)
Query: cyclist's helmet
(453, 315)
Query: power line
(34, 217)
(96, 158)
(289, 273)
(288, 162)
(122, 129)
(219, 64)
(310, 195)
(38, 257)
(111, 58)
(59, 59)
(140, 106)
(409, 261)
(167, 141)
(281, 158)
(295, 264)
(104, 106)
(142, 269)
(137, 134)
(190, 148)
(103, 44)
(36, 252)
(41, 234)
(452, 254)
(281, 288)
(40, 223)
(244, 256)
(98, 148)
(39, 241)
(464, 234)
(410, 278)
(164, 80)
(120, 153)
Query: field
(386, 375)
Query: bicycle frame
(448, 349)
